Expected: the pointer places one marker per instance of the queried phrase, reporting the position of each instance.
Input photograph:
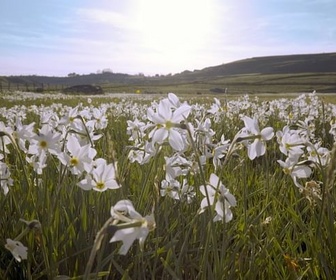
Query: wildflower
(135, 130)
(99, 120)
(252, 131)
(5, 179)
(295, 169)
(142, 154)
(312, 191)
(167, 124)
(203, 132)
(134, 227)
(71, 119)
(216, 193)
(220, 151)
(176, 166)
(318, 154)
(22, 133)
(47, 140)
(4, 139)
(101, 178)
(171, 188)
(174, 189)
(290, 142)
(38, 163)
(79, 158)
(18, 250)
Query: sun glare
(175, 28)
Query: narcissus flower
(167, 123)
(252, 132)
(295, 169)
(290, 142)
(216, 193)
(101, 178)
(5, 179)
(78, 158)
(18, 250)
(134, 227)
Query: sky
(58, 37)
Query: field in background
(231, 84)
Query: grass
(276, 232)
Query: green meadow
(283, 222)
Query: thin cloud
(106, 18)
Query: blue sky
(55, 38)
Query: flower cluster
(185, 136)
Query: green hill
(286, 64)
(286, 73)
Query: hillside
(286, 64)
(285, 73)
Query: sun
(175, 28)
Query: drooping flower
(18, 250)
(134, 227)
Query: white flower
(295, 169)
(18, 250)
(5, 179)
(167, 124)
(135, 226)
(99, 120)
(219, 152)
(47, 140)
(290, 142)
(79, 158)
(318, 154)
(101, 178)
(135, 129)
(4, 139)
(216, 193)
(251, 129)
(22, 133)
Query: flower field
(168, 187)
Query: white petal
(267, 133)
(176, 140)
(160, 135)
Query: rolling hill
(286, 73)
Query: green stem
(96, 246)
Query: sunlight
(175, 28)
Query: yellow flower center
(100, 185)
(74, 161)
(43, 144)
(169, 125)
(287, 171)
